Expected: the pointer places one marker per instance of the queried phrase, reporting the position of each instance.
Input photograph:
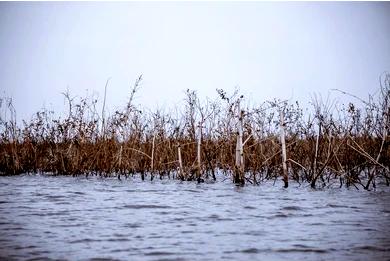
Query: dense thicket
(325, 143)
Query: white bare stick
(181, 173)
(239, 145)
(152, 160)
(317, 146)
(284, 152)
(198, 149)
(103, 108)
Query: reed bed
(325, 144)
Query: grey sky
(283, 50)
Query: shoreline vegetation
(248, 144)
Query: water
(43, 217)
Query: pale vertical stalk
(103, 108)
(181, 173)
(198, 150)
(152, 160)
(316, 151)
(238, 151)
(240, 134)
(284, 152)
(239, 148)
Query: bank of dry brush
(324, 144)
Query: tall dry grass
(324, 144)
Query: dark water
(69, 218)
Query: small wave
(103, 259)
(295, 208)
(151, 191)
(38, 194)
(172, 259)
(215, 217)
(55, 198)
(26, 207)
(23, 247)
(256, 233)
(301, 250)
(370, 229)
(223, 195)
(106, 190)
(192, 190)
(336, 206)
(250, 251)
(77, 193)
(13, 228)
(372, 248)
(6, 223)
(300, 246)
(44, 214)
(159, 253)
(316, 224)
(85, 240)
(38, 253)
(145, 206)
(132, 225)
(187, 232)
(163, 213)
(280, 215)
(69, 225)
(118, 240)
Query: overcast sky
(284, 50)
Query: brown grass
(349, 145)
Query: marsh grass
(346, 144)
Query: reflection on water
(69, 218)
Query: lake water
(44, 218)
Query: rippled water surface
(43, 217)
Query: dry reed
(349, 145)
